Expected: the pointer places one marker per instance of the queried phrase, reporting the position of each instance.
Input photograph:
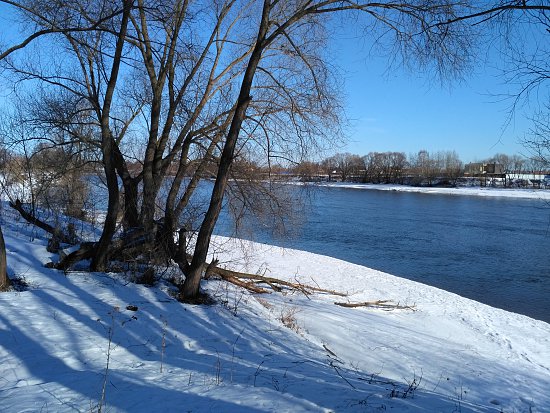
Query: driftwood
(56, 232)
(386, 305)
(250, 281)
(250, 286)
(275, 284)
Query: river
(493, 250)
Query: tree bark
(131, 215)
(4, 279)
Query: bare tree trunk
(99, 262)
(190, 288)
(4, 279)
(150, 171)
(131, 215)
(174, 210)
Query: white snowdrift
(449, 355)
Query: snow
(443, 354)
(471, 191)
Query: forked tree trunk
(4, 279)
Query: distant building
(480, 169)
(490, 173)
(535, 179)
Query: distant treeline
(422, 168)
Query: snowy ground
(472, 191)
(450, 354)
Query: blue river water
(493, 250)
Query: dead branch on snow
(385, 305)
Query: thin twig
(338, 372)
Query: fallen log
(246, 285)
(386, 305)
(275, 283)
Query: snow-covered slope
(446, 354)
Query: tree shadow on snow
(56, 337)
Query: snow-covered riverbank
(268, 353)
(471, 191)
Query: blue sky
(402, 111)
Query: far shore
(542, 194)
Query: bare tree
(74, 23)
(384, 167)
(347, 165)
(507, 165)
(308, 171)
(329, 167)
(4, 279)
(521, 30)
(453, 167)
(425, 167)
(398, 163)
(537, 140)
(276, 22)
